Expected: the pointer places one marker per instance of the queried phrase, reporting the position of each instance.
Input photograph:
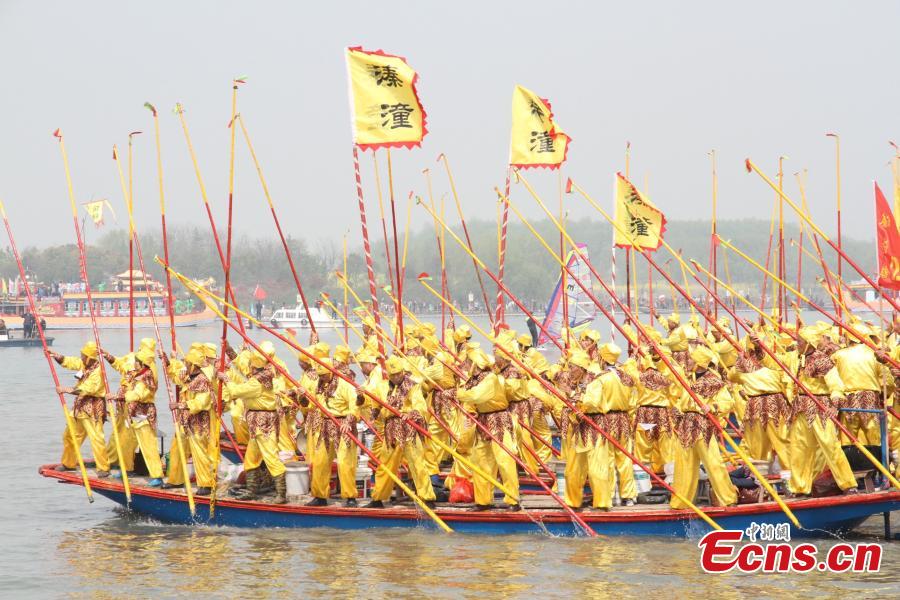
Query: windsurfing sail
(581, 309)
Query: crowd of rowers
(447, 400)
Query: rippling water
(54, 543)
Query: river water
(56, 544)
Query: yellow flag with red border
(536, 139)
(637, 219)
(384, 100)
(95, 210)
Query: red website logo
(722, 552)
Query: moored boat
(7, 342)
(819, 516)
(297, 318)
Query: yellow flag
(636, 218)
(384, 100)
(95, 211)
(536, 140)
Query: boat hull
(25, 343)
(819, 516)
(206, 317)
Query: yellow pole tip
(748, 165)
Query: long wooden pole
(367, 248)
(91, 311)
(170, 300)
(209, 300)
(643, 333)
(399, 314)
(752, 167)
(837, 169)
(500, 316)
(284, 244)
(387, 251)
(70, 424)
(179, 434)
(131, 242)
(465, 228)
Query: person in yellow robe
(864, 379)
(88, 411)
(814, 437)
(261, 405)
(332, 441)
(768, 411)
(194, 379)
(123, 365)
(515, 385)
(402, 442)
(606, 401)
(484, 391)
(696, 439)
(654, 418)
(138, 391)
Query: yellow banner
(384, 100)
(536, 140)
(95, 211)
(637, 219)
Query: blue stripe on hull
(816, 521)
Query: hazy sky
(758, 79)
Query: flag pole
(496, 279)
(367, 248)
(562, 256)
(346, 314)
(70, 424)
(781, 257)
(131, 242)
(111, 407)
(762, 297)
(170, 304)
(399, 315)
(179, 110)
(650, 341)
(284, 244)
(553, 390)
(179, 438)
(387, 251)
(751, 167)
(715, 210)
(627, 249)
(837, 169)
(465, 228)
(501, 260)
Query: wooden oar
(91, 311)
(70, 424)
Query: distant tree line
(529, 272)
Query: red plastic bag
(462, 492)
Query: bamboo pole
(70, 424)
(681, 380)
(204, 294)
(96, 331)
(387, 252)
(179, 434)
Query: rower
(89, 409)
(403, 442)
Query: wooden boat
(70, 311)
(6, 342)
(819, 516)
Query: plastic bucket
(642, 480)
(297, 478)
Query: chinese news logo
(766, 548)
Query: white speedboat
(284, 318)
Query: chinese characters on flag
(384, 101)
(536, 140)
(637, 219)
(888, 243)
(95, 211)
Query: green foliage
(529, 271)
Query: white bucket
(297, 478)
(285, 457)
(642, 480)
(229, 472)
